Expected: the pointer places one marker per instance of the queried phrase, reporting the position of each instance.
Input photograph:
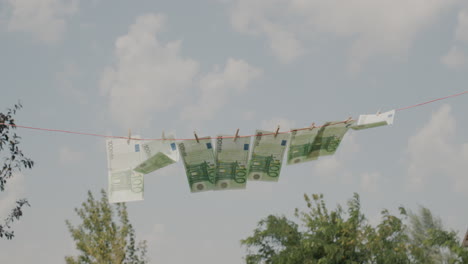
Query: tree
(419, 230)
(102, 240)
(430, 243)
(346, 237)
(13, 162)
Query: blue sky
(213, 66)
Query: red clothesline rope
(432, 101)
(285, 132)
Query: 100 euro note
(300, 145)
(231, 163)
(328, 138)
(267, 156)
(370, 121)
(124, 184)
(157, 154)
(199, 163)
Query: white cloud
(248, 115)
(250, 16)
(217, 86)
(68, 155)
(65, 79)
(272, 124)
(157, 238)
(148, 75)
(159, 228)
(335, 167)
(46, 19)
(462, 28)
(14, 190)
(455, 58)
(370, 182)
(328, 167)
(432, 153)
(385, 27)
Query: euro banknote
(328, 138)
(267, 156)
(300, 145)
(124, 184)
(231, 162)
(370, 121)
(199, 163)
(157, 154)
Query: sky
(213, 66)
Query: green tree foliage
(345, 237)
(102, 240)
(419, 230)
(13, 161)
(430, 243)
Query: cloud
(148, 75)
(14, 190)
(335, 167)
(67, 155)
(45, 19)
(370, 182)
(432, 153)
(248, 115)
(271, 124)
(454, 59)
(65, 79)
(156, 236)
(386, 27)
(217, 86)
(461, 33)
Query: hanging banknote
(370, 121)
(199, 162)
(300, 145)
(157, 154)
(328, 138)
(124, 184)
(231, 162)
(267, 156)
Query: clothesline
(237, 136)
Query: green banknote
(157, 154)
(267, 156)
(124, 184)
(231, 163)
(300, 145)
(328, 139)
(199, 162)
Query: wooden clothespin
(277, 130)
(163, 136)
(196, 137)
(129, 136)
(237, 135)
(312, 126)
(349, 119)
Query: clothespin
(129, 136)
(196, 137)
(237, 135)
(312, 126)
(277, 129)
(163, 136)
(349, 119)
